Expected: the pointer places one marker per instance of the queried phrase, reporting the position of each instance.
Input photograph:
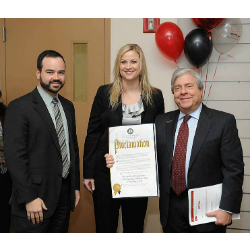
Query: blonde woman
(129, 100)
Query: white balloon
(226, 35)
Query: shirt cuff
(226, 211)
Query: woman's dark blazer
(101, 118)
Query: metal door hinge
(4, 34)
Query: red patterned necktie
(178, 181)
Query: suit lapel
(42, 110)
(119, 110)
(171, 124)
(203, 127)
(145, 110)
(67, 112)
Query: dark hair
(47, 53)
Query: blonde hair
(116, 88)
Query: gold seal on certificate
(134, 173)
(117, 188)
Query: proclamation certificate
(135, 172)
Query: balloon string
(213, 78)
(230, 56)
(206, 79)
(176, 64)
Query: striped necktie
(178, 181)
(61, 138)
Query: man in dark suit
(41, 152)
(210, 154)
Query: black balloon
(198, 47)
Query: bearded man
(42, 153)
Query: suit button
(60, 175)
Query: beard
(47, 87)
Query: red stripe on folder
(192, 206)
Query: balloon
(169, 40)
(227, 35)
(198, 47)
(208, 23)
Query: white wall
(230, 91)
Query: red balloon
(170, 41)
(208, 23)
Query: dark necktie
(61, 138)
(178, 181)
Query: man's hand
(89, 184)
(223, 218)
(109, 160)
(77, 197)
(35, 210)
